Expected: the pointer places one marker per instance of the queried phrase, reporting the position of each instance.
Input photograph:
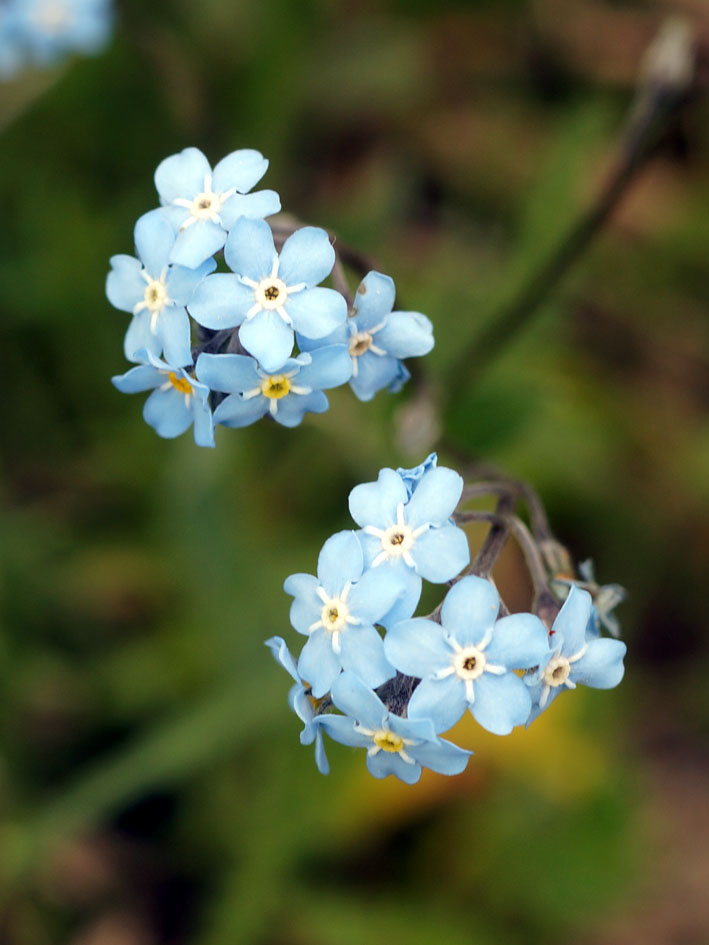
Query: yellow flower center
(275, 386)
(388, 741)
(180, 383)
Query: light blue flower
(378, 338)
(338, 610)
(271, 295)
(296, 388)
(177, 402)
(301, 701)
(576, 658)
(42, 31)
(411, 534)
(204, 205)
(156, 292)
(394, 745)
(468, 660)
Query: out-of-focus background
(152, 787)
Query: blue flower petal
(352, 697)
(307, 256)
(293, 408)
(173, 327)
(154, 238)
(519, 642)
(125, 286)
(501, 702)
(221, 301)
(229, 373)
(418, 647)
(181, 282)
(250, 250)
(441, 700)
(601, 667)
(374, 373)
(374, 300)
(203, 423)
(375, 503)
(470, 609)
(320, 756)
(340, 336)
(181, 175)
(385, 763)
(441, 756)
(241, 169)
(375, 593)
(282, 655)
(317, 312)
(572, 620)
(267, 337)
(340, 561)
(233, 411)
(329, 367)
(435, 497)
(441, 553)
(406, 604)
(307, 606)
(343, 730)
(195, 244)
(166, 413)
(139, 338)
(362, 652)
(138, 379)
(318, 662)
(256, 206)
(406, 335)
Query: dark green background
(152, 788)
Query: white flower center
(155, 296)
(469, 663)
(334, 614)
(207, 205)
(396, 540)
(271, 292)
(556, 672)
(360, 342)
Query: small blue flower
(378, 338)
(204, 205)
(156, 292)
(271, 295)
(394, 745)
(605, 598)
(177, 402)
(577, 658)
(411, 534)
(338, 610)
(301, 701)
(296, 388)
(468, 660)
(43, 31)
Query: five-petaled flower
(204, 204)
(394, 745)
(271, 295)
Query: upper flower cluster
(249, 316)
(400, 681)
(42, 31)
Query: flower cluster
(232, 332)
(400, 681)
(43, 31)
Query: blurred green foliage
(144, 727)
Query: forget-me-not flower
(178, 399)
(302, 702)
(338, 610)
(394, 745)
(42, 31)
(204, 204)
(411, 477)
(378, 338)
(287, 395)
(468, 660)
(271, 295)
(156, 292)
(411, 534)
(576, 657)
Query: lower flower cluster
(371, 675)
